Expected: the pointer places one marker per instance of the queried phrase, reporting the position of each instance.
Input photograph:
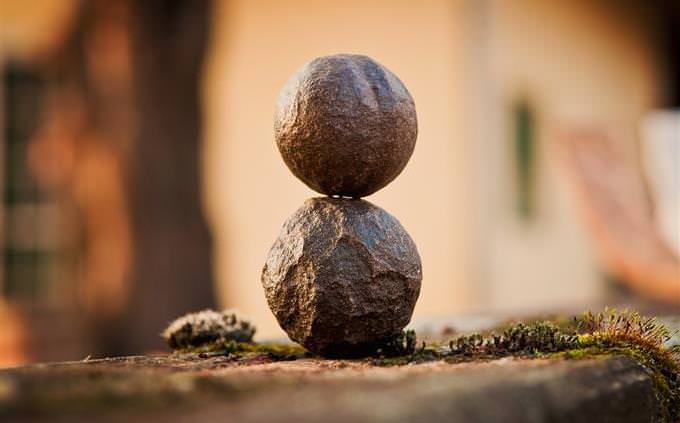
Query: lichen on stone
(208, 326)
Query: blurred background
(139, 179)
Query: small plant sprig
(630, 326)
(404, 343)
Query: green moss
(422, 354)
(402, 344)
(276, 352)
(664, 374)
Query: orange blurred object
(618, 210)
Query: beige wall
(582, 64)
(463, 61)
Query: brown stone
(342, 277)
(345, 125)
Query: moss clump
(422, 354)
(402, 344)
(519, 339)
(207, 326)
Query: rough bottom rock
(342, 277)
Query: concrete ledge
(614, 389)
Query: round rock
(342, 277)
(345, 125)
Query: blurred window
(524, 152)
(29, 216)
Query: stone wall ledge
(191, 388)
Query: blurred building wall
(576, 63)
(35, 242)
(580, 65)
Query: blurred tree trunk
(172, 265)
(125, 105)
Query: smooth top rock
(343, 277)
(345, 125)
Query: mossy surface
(636, 378)
(400, 345)
(243, 350)
(590, 335)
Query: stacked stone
(343, 276)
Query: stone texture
(345, 125)
(175, 389)
(342, 276)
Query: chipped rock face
(345, 125)
(195, 329)
(342, 277)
